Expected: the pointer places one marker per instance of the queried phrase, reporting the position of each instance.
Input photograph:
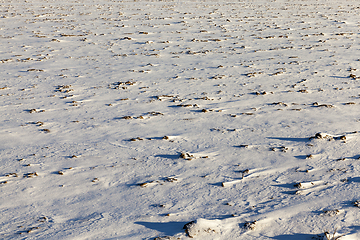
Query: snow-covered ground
(179, 119)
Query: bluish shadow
(354, 179)
(176, 156)
(289, 192)
(167, 228)
(218, 184)
(356, 157)
(338, 77)
(286, 185)
(155, 138)
(290, 139)
(297, 236)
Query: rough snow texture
(130, 119)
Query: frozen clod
(30, 175)
(187, 156)
(201, 226)
(136, 139)
(147, 184)
(321, 135)
(330, 213)
(245, 172)
(250, 225)
(165, 238)
(171, 179)
(190, 229)
(353, 76)
(333, 236)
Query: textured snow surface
(179, 119)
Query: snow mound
(338, 236)
(201, 227)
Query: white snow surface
(130, 119)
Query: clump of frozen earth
(202, 226)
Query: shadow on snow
(167, 228)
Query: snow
(179, 119)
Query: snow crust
(179, 119)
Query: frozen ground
(131, 119)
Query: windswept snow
(179, 119)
